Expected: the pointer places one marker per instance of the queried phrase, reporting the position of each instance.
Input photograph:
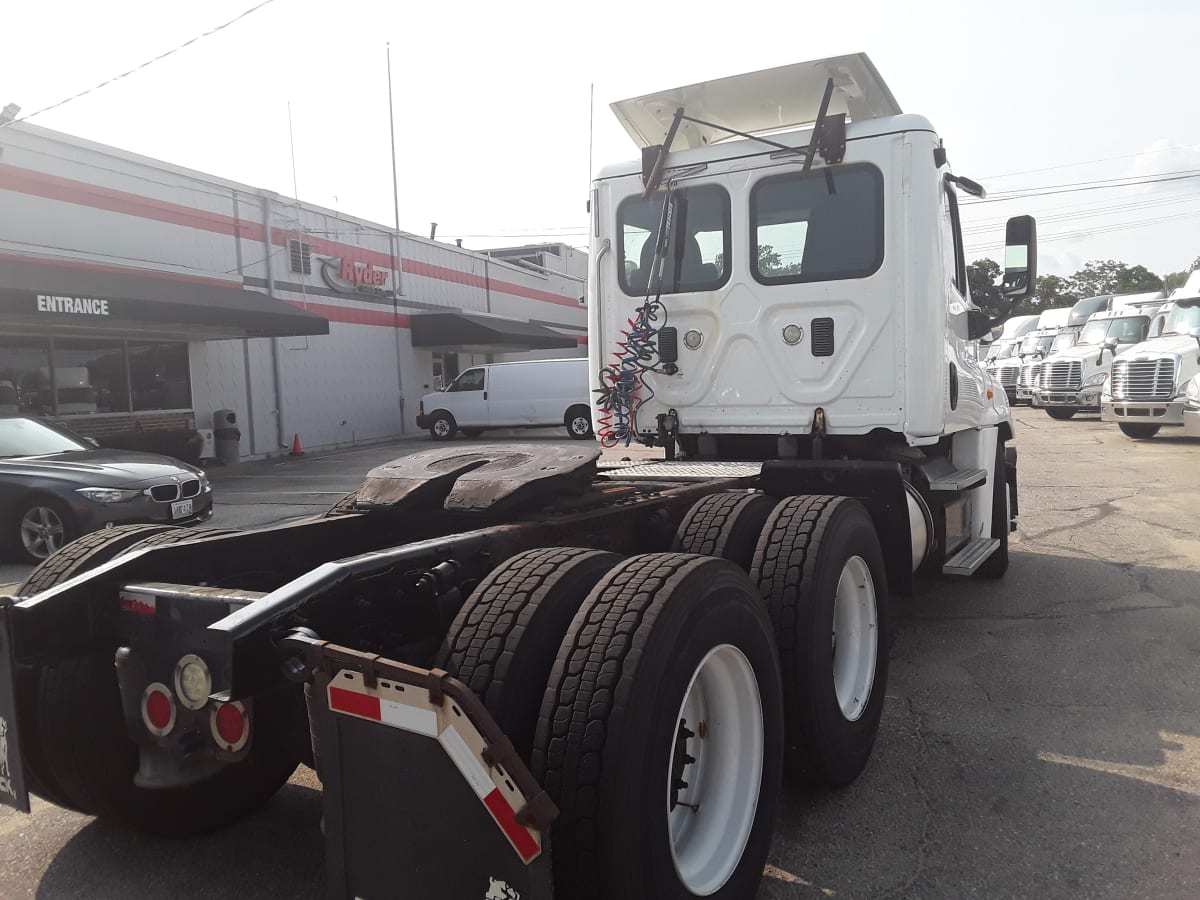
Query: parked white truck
(1148, 383)
(1071, 380)
(1034, 347)
(521, 675)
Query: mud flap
(417, 801)
(13, 790)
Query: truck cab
(1033, 349)
(1071, 379)
(1148, 384)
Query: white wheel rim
(41, 531)
(442, 427)
(712, 816)
(855, 638)
(579, 425)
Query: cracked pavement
(1041, 735)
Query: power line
(138, 68)
(1109, 184)
(1087, 162)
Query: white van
(530, 394)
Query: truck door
(469, 394)
(963, 385)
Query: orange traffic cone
(296, 448)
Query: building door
(445, 369)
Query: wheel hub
(855, 638)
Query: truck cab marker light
(692, 339)
(792, 335)
(158, 709)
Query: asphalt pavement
(1041, 735)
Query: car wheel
(443, 427)
(43, 526)
(579, 423)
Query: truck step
(943, 476)
(972, 555)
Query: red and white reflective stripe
(422, 719)
(142, 604)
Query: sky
(493, 108)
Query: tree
(1051, 292)
(981, 277)
(1112, 277)
(770, 262)
(1176, 279)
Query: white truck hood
(1167, 344)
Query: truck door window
(470, 380)
(826, 225)
(952, 241)
(698, 248)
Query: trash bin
(228, 437)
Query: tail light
(230, 726)
(158, 709)
(421, 408)
(193, 681)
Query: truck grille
(1029, 375)
(1143, 379)
(1007, 377)
(1062, 376)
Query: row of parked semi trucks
(1133, 358)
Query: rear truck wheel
(472, 432)
(1062, 413)
(997, 564)
(1138, 431)
(820, 568)
(87, 553)
(725, 525)
(40, 527)
(503, 642)
(93, 761)
(442, 426)
(660, 735)
(579, 423)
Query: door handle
(485, 395)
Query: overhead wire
(138, 68)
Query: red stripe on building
(82, 193)
(507, 820)
(341, 700)
(231, 285)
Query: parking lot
(1041, 735)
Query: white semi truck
(1148, 383)
(522, 674)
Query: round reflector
(158, 709)
(193, 683)
(230, 726)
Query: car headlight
(1096, 379)
(107, 495)
(205, 484)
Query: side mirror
(979, 324)
(1111, 346)
(1020, 259)
(92, 441)
(1195, 332)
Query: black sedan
(55, 486)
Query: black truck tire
(810, 545)
(503, 642)
(578, 421)
(86, 553)
(1062, 413)
(725, 525)
(997, 564)
(614, 733)
(1138, 430)
(92, 760)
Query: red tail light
(421, 408)
(230, 726)
(158, 709)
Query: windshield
(27, 437)
(1063, 340)
(1001, 351)
(1182, 319)
(1129, 330)
(1034, 343)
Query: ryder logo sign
(347, 276)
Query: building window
(158, 376)
(90, 376)
(301, 257)
(24, 376)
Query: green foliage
(1176, 279)
(1112, 277)
(982, 276)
